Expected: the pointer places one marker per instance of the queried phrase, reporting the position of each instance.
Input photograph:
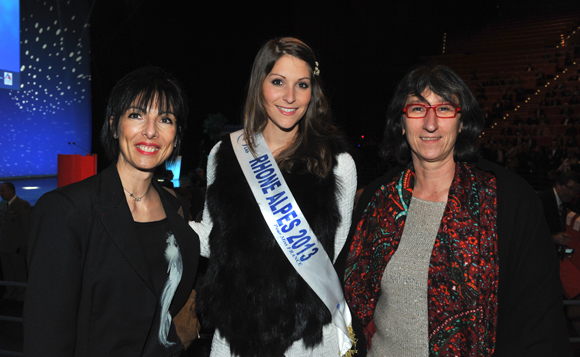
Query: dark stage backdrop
(52, 106)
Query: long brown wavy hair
(311, 145)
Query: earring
(115, 136)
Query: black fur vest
(252, 294)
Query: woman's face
(286, 92)
(432, 139)
(146, 136)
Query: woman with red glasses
(451, 255)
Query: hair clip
(316, 70)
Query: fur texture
(252, 294)
(175, 270)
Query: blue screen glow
(52, 107)
(10, 44)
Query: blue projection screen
(51, 105)
(10, 44)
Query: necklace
(137, 199)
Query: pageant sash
(292, 232)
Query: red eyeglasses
(419, 110)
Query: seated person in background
(567, 120)
(518, 120)
(554, 200)
(570, 141)
(529, 68)
(540, 78)
(567, 109)
(507, 131)
(555, 154)
(543, 130)
(571, 129)
(539, 112)
(519, 129)
(532, 120)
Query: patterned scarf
(463, 271)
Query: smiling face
(146, 137)
(432, 139)
(286, 94)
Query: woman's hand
(186, 322)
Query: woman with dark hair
(112, 260)
(279, 199)
(450, 255)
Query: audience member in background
(567, 120)
(554, 200)
(540, 78)
(201, 180)
(14, 227)
(543, 130)
(570, 163)
(168, 179)
(517, 120)
(449, 254)
(555, 154)
(112, 259)
(529, 68)
(520, 129)
(570, 143)
(3, 203)
(539, 113)
(532, 120)
(567, 110)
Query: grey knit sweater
(401, 313)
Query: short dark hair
(144, 85)
(442, 81)
(567, 176)
(317, 120)
(10, 186)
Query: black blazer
(551, 210)
(90, 291)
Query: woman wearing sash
(451, 255)
(252, 292)
(112, 261)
